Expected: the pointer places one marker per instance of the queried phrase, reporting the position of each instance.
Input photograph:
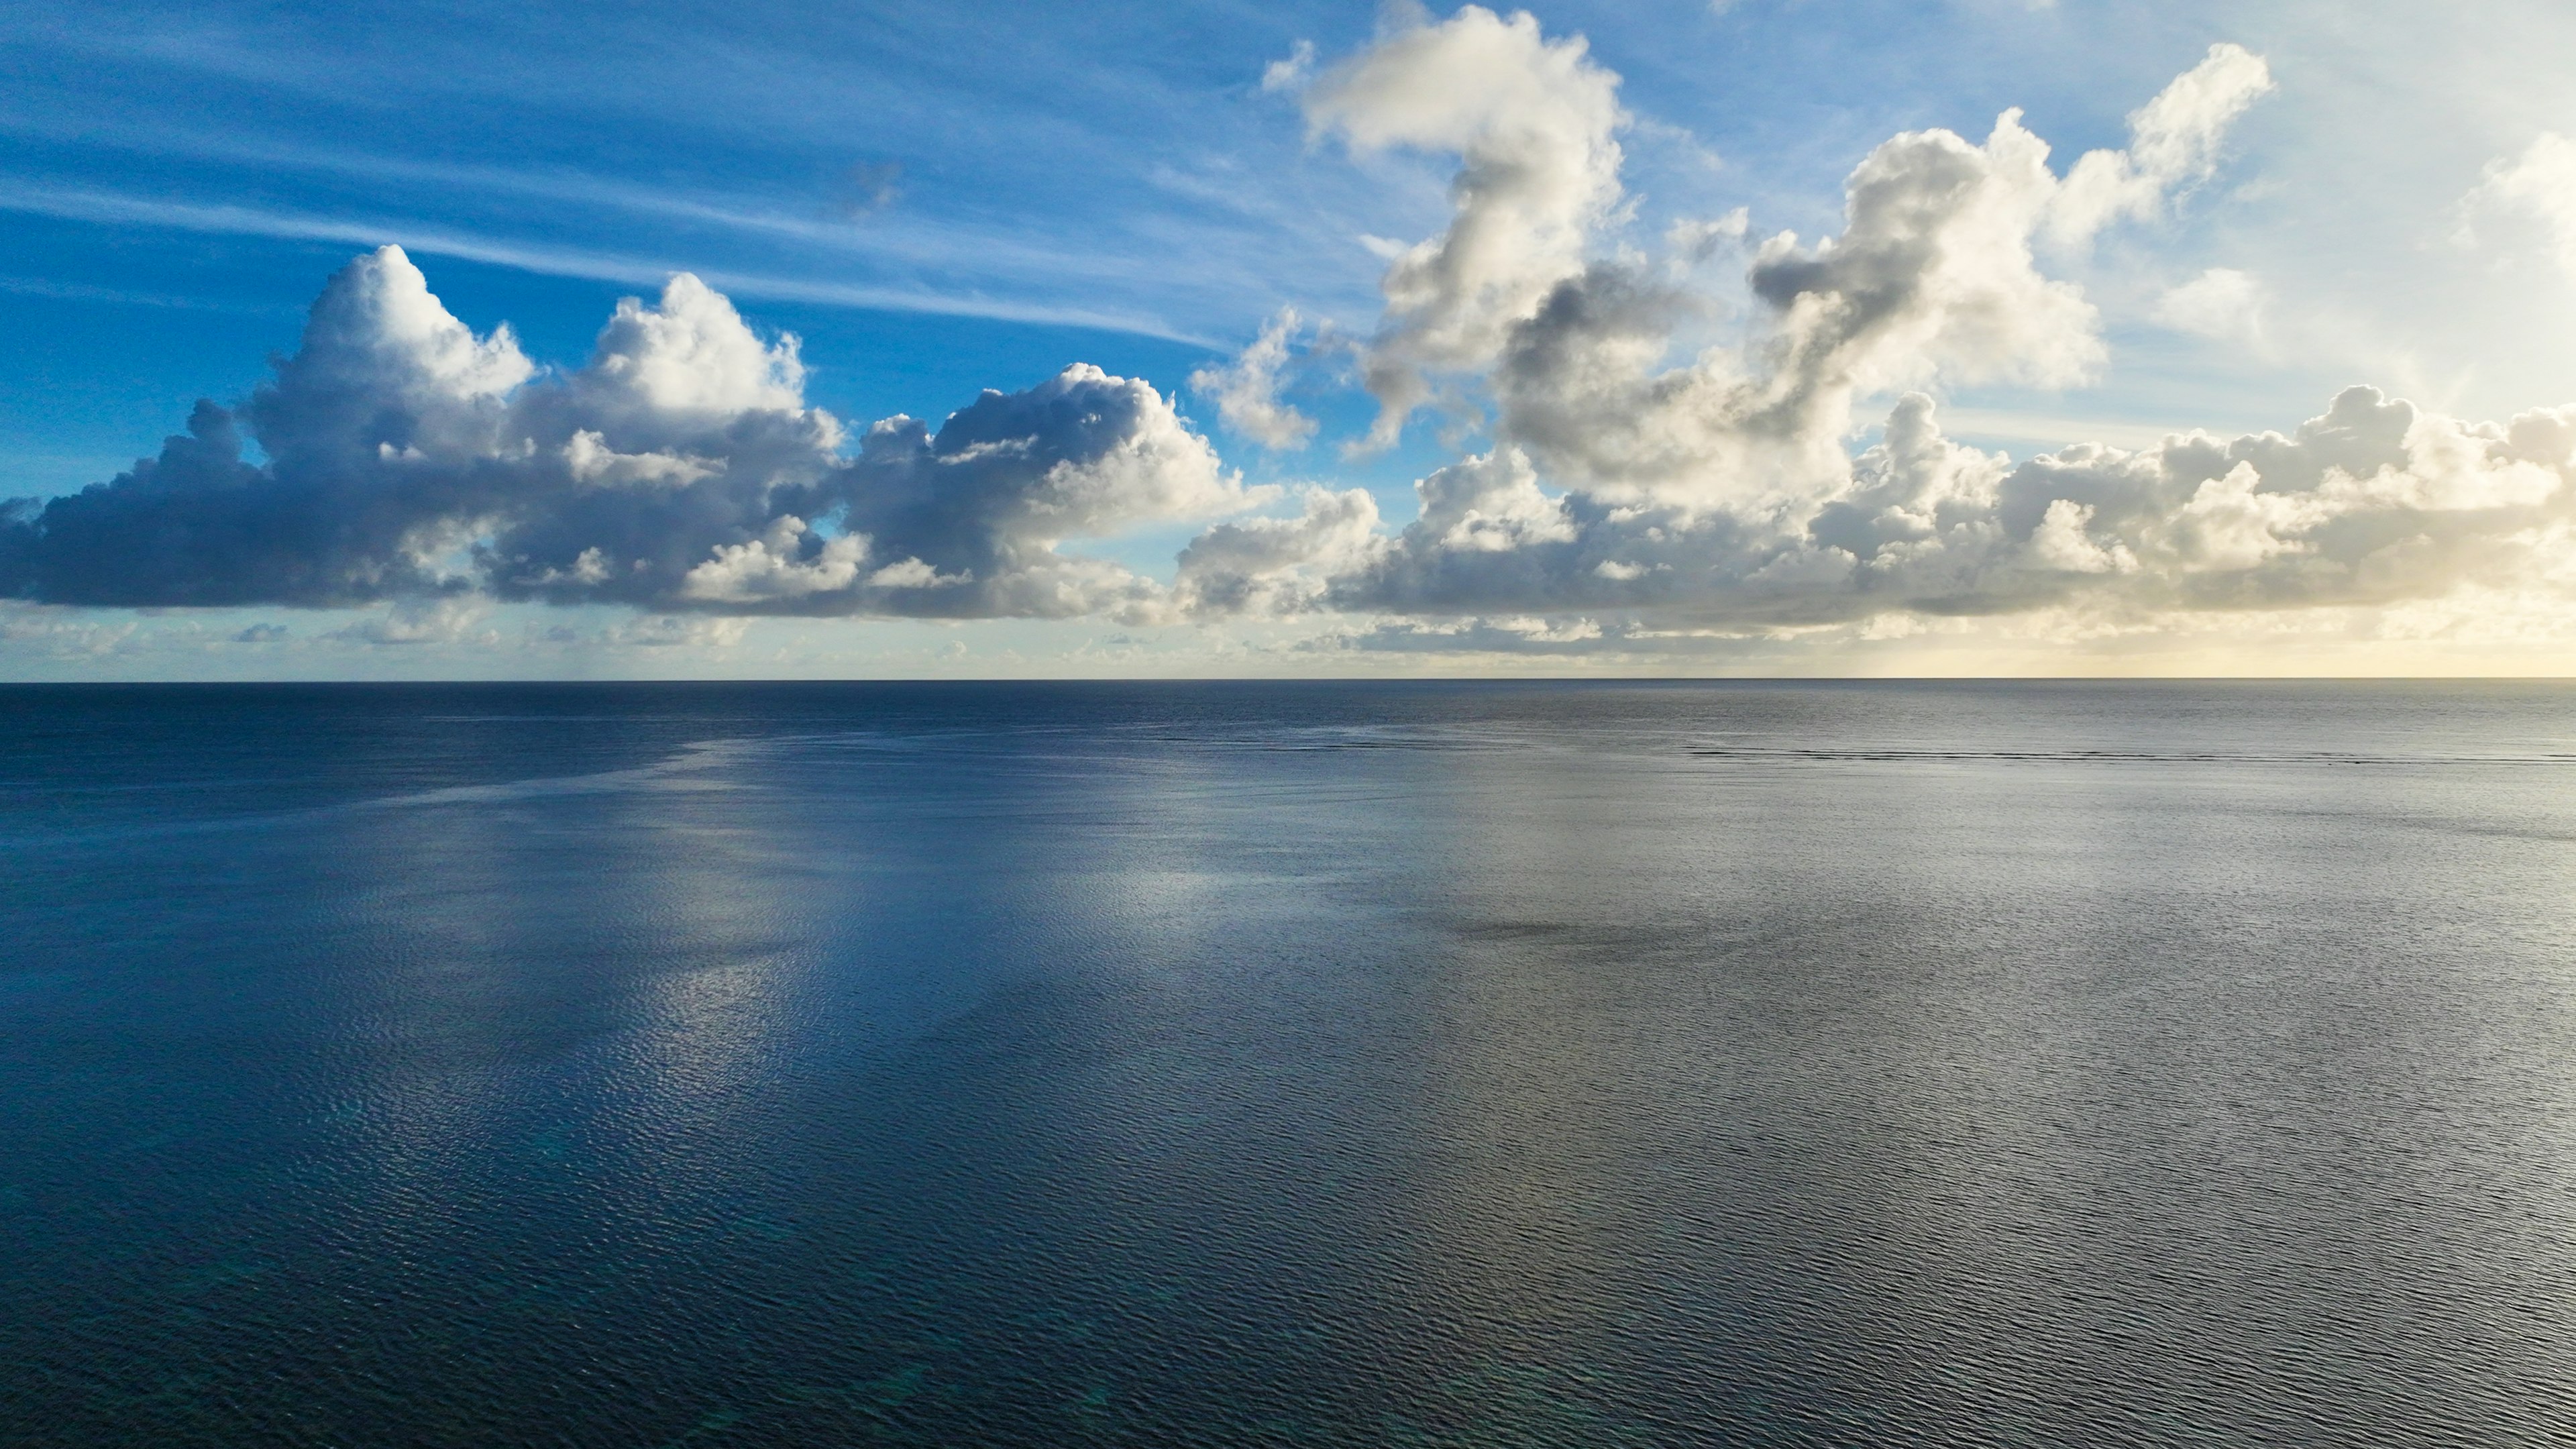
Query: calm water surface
(1279, 1064)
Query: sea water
(1335, 1064)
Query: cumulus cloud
(1934, 278)
(767, 568)
(1246, 391)
(678, 469)
(1627, 496)
(1636, 488)
(1279, 566)
(1531, 121)
(2173, 144)
(2374, 502)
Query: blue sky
(941, 199)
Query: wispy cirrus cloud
(546, 259)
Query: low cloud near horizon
(1630, 486)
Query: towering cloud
(678, 469)
(1627, 488)
(1722, 492)
(1531, 121)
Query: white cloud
(1532, 122)
(2538, 187)
(1290, 72)
(1278, 566)
(1722, 488)
(2222, 304)
(912, 573)
(2063, 541)
(773, 567)
(1246, 391)
(680, 468)
(2173, 144)
(424, 621)
(2373, 503)
(691, 356)
(1695, 240)
(1643, 487)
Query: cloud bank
(679, 469)
(1633, 481)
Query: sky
(1764, 337)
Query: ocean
(1286, 1064)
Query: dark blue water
(1288, 1064)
